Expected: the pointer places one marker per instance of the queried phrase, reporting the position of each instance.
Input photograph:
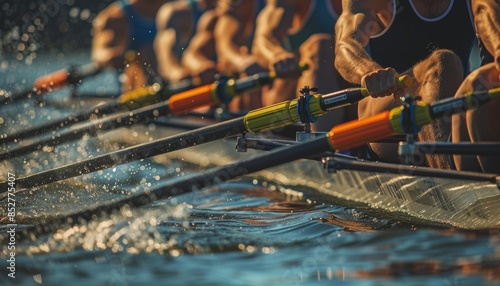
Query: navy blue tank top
(258, 6)
(321, 19)
(196, 12)
(142, 30)
(410, 38)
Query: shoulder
(111, 15)
(208, 20)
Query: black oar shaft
(469, 148)
(114, 121)
(107, 108)
(145, 150)
(192, 182)
(344, 164)
(60, 123)
(55, 80)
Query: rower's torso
(311, 17)
(410, 30)
(429, 9)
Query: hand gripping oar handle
(221, 91)
(286, 113)
(353, 95)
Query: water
(244, 232)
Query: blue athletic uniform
(321, 19)
(410, 38)
(142, 30)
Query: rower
(184, 45)
(412, 37)
(234, 34)
(295, 31)
(123, 39)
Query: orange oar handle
(191, 99)
(357, 133)
(51, 81)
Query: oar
(207, 95)
(341, 137)
(128, 101)
(53, 81)
(267, 118)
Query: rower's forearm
(169, 66)
(267, 48)
(353, 62)
(109, 57)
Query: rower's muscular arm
(109, 38)
(171, 22)
(487, 20)
(352, 32)
(272, 25)
(199, 56)
(230, 31)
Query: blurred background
(52, 26)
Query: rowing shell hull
(410, 199)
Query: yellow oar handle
(402, 82)
(280, 114)
(140, 97)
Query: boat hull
(417, 200)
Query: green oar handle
(140, 97)
(423, 114)
(286, 113)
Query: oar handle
(286, 113)
(302, 67)
(140, 97)
(352, 95)
(233, 87)
(222, 91)
(403, 120)
(402, 82)
(154, 93)
(60, 78)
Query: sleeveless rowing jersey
(196, 12)
(410, 37)
(321, 19)
(258, 6)
(142, 30)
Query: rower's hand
(382, 83)
(206, 72)
(179, 75)
(249, 66)
(285, 65)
